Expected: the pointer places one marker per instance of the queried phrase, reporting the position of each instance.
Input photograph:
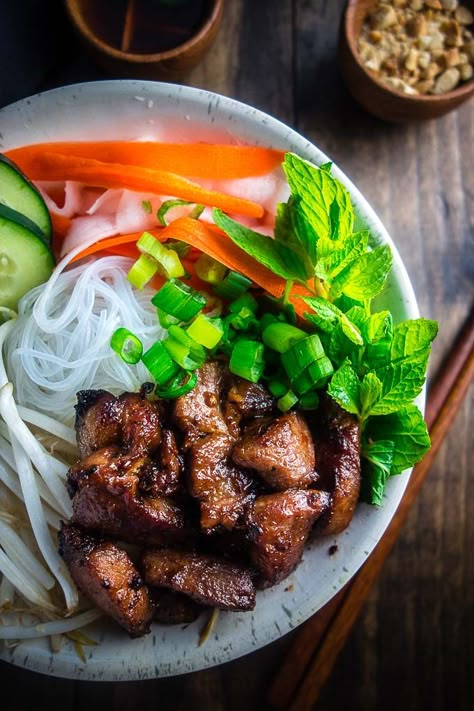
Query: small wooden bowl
(170, 65)
(373, 94)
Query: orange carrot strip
(60, 224)
(197, 160)
(124, 250)
(52, 166)
(216, 244)
(107, 244)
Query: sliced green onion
(181, 248)
(297, 358)
(314, 377)
(210, 270)
(183, 349)
(179, 300)
(159, 363)
(142, 271)
(243, 320)
(246, 301)
(166, 320)
(206, 331)
(232, 286)
(277, 388)
(247, 360)
(169, 204)
(177, 388)
(167, 260)
(281, 336)
(286, 402)
(146, 206)
(266, 319)
(127, 345)
(309, 401)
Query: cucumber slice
(19, 193)
(25, 259)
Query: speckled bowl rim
(174, 650)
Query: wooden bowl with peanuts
(408, 60)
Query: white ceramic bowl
(132, 109)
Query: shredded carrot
(216, 244)
(197, 160)
(108, 244)
(124, 250)
(60, 224)
(55, 166)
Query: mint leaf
(366, 277)
(407, 430)
(338, 347)
(375, 471)
(327, 316)
(281, 259)
(401, 383)
(292, 228)
(326, 166)
(341, 213)
(335, 256)
(314, 189)
(376, 463)
(344, 388)
(378, 327)
(370, 393)
(412, 337)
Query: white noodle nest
(60, 342)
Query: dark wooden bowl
(373, 94)
(168, 65)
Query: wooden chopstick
(312, 656)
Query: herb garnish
(379, 368)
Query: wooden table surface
(413, 647)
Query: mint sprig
(379, 368)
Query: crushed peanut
(419, 46)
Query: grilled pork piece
(281, 450)
(103, 419)
(206, 579)
(105, 486)
(244, 400)
(223, 489)
(163, 476)
(98, 420)
(337, 441)
(104, 572)
(278, 526)
(199, 412)
(172, 608)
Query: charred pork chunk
(105, 574)
(105, 486)
(206, 579)
(163, 476)
(244, 400)
(103, 419)
(281, 450)
(172, 608)
(199, 412)
(98, 420)
(141, 424)
(223, 490)
(337, 441)
(278, 526)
